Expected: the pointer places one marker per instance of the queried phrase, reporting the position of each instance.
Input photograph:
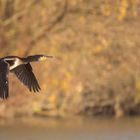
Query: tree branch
(46, 29)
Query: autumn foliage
(96, 70)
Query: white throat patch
(17, 62)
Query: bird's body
(22, 69)
(12, 61)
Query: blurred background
(96, 70)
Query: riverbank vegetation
(96, 70)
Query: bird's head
(33, 58)
(43, 58)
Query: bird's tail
(34, 58)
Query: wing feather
(25, 74)
(4, 83)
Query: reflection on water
(72, 129)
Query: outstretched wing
(27, 77)
(4, 88)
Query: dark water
(72, 129)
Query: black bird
(21, 67)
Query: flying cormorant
(21, 67)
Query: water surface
(72, 129)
